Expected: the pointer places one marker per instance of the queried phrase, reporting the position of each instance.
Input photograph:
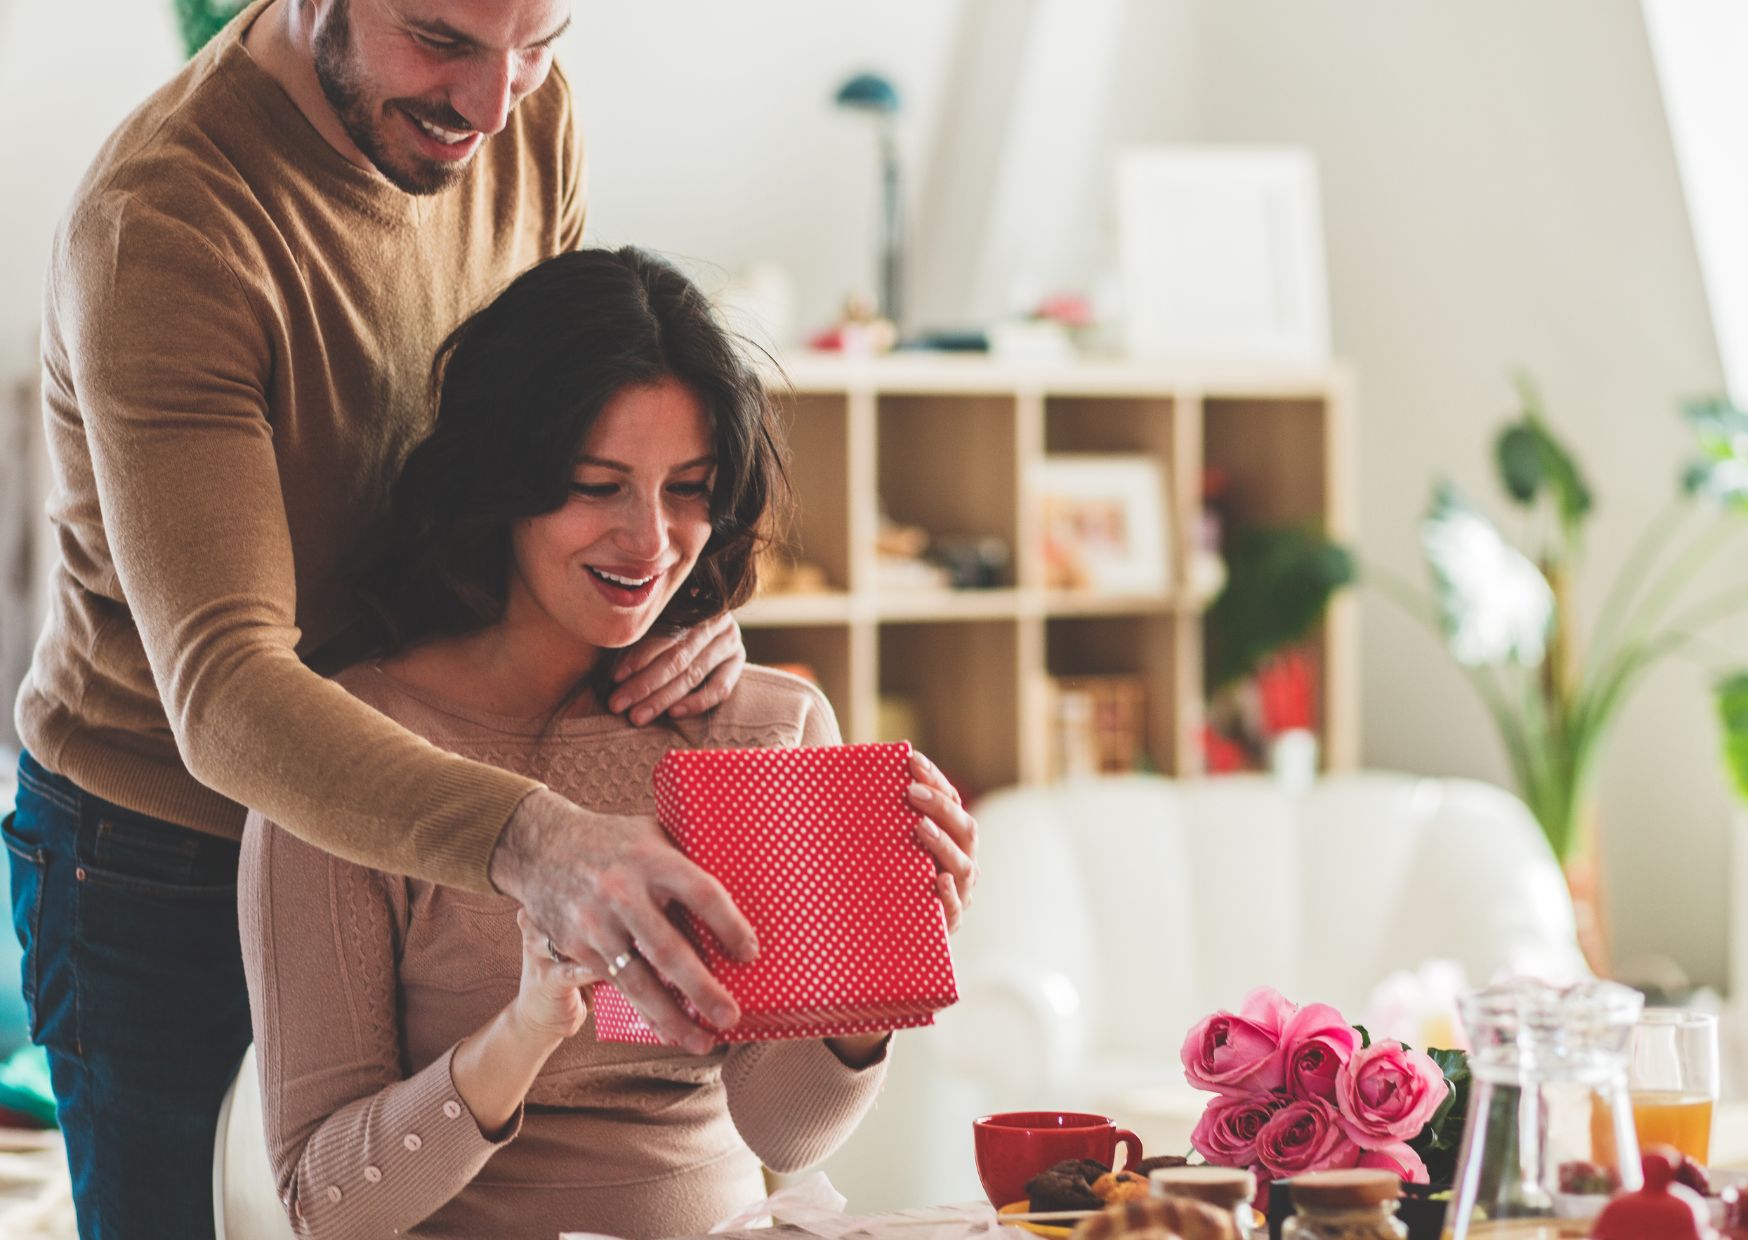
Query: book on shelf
(1098, 725)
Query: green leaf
(1494, 604)
(1279, 580)
(1720, 476)
(1520, 464)
(200, 20)
(1733, 714)
(1447, 1122)
(1531, 461)
(1365, 1036)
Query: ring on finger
(558, 957)
(621, 962)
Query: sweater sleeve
(170, 364)
(358, 1149)
(794, 1102)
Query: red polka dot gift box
(818, 849)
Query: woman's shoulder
(789, 709)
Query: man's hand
(599, 885)
(681, 675)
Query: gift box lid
(818, 849)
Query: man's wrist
(522, 841)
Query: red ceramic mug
(1014, 1146)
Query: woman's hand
(550, 1002)
(494, 1067)
(950, 835)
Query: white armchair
(1115, 913)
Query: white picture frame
(1222, 255)
(1104, 524)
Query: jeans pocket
(27, 863)
(160, 860)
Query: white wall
(68, 73)
(712, 133)
(1500, 190)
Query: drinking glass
(1672, 1079)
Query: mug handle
(1131, 1148)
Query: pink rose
(1239, 1054)
(1268, 1008)
(1316, 1042)
(1305, 1135)
(1397, 1159)
(1387, 1093)
(1225, 1135)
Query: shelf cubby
(951, 445)
(960, 677)
(828, 650)
(820, 442)
(950, 463)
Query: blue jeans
(133, 977)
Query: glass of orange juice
(1672, 1079)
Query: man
(242, 305)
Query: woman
(603, 462)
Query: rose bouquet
(1299, 1089)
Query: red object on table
(818, 849)
(1013, 1146)
(1662, 1210)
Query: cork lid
(1225, 1187)
(1345, 1190)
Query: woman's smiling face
(598, 571)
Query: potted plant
(1507, 612)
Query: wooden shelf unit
(950, 444)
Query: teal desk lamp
(873, 95)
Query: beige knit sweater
(237, 333)
(362, 983)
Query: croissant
(1158, 1218)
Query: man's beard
(339, 81)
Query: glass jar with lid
(1345, 1205)
(1229, 1190)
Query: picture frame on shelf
(1104, 524)
(1222, 254)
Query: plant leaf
(1520, 464)
(1720, 475)
(1365, 1036)
(199, 20)
(1532, 460)
(1494, 604)
(1279, 579)
(1733, 714)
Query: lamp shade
(868, 92)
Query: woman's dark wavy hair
(516, 389)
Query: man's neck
(282, 42)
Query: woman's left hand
(949, 833)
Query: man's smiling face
(420, 84)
